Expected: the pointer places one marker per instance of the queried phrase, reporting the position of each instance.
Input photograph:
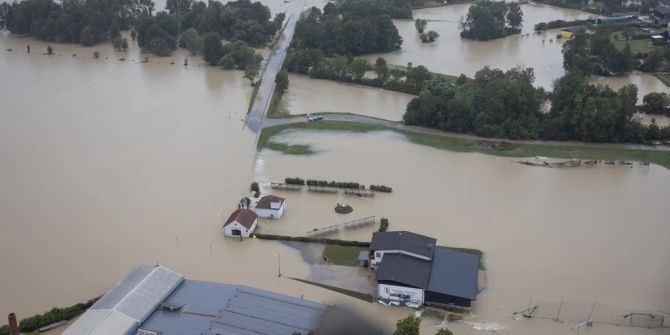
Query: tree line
(89, 22)
(505, 104)
(487, 20)
(596, 54)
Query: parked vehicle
(314, 118)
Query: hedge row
(312, 240)
(294, 181)
(381, 188)
(561, 24)
(36, 322)
(384, 225)
(338, 184)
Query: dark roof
(404, 240)
(265, 201)
(662, 9)
(405, 270)
(245, 217)
(454, 273)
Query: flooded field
(306, 95)
(548, 234)
(646, 83)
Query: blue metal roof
(454, 273)
(212, 308)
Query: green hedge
(312, 240)
(294, 181)
(56, 314)
(338, 184)
(381, 188)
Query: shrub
(54, 315)
(257, 194)
(381, 188)
(294, 181)
(254, 187)
(384, 225)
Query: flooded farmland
(306, 95)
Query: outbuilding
(661, 14)
(270, 207)
(241, 222)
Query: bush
(254, 187)
(381, 188)
(312, 240)
(54, 315)
(294, 181)
(383, 225)
(257, 194)
(338, 184)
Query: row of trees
(184, 23)
(596, 54)
(233, 55)
(505, 104)
(488, 19)
(339, 31)
(314, 63)
(656, 103)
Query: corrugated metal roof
(212, 308)
(404, 240)
(454, 273)
(128, 303)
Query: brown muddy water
(454, 55)
(306, 95)
(582, 235)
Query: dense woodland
(596, 54)
(90, 22)
(488, 19)
(506, 105)
(346, 31)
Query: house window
(378, 254)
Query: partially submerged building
(270, 207)
(241, 223)
(154, 300)
(661, 14)
(411, 269)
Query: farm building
(241, 222)
(412, 270)
(569, 33)
(270, 207)
(154, 300)
(661, 14)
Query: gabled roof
(454, 273)
(245, 217)
(266, 201)
(404, 269)
(404, 240)
(128, 303)
(206, 308)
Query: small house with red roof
(270, 207)
(241, 223)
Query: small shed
(270, 207)
(658, 39)
(241, 222)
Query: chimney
(13, 326)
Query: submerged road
(355, 118)
(272, 67)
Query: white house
(241, 223)
(270, 207)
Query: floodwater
(309, 96)
(582, 235)
(454, 55)
(646, 83)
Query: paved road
(397, 125)
(272, 67)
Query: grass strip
(254, 93)
(664, 78)
(503, 148)
(343, 255)
(358, 295)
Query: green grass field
(342, 255)
(254, 93)
(445, 142)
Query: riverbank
(468, 143)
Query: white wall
(270, 213)
(245, 233)
(400, 293)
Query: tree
(50, 50)
(116, 43)
(251, 71)
(408, 326)
(656, 103)
(212, 48)
(381, 69)
(444, 331)
(189, 40)
(124, 44)
(429, 37)
(514, 15)
(420, 25)
(282, 80)
(357, 68)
